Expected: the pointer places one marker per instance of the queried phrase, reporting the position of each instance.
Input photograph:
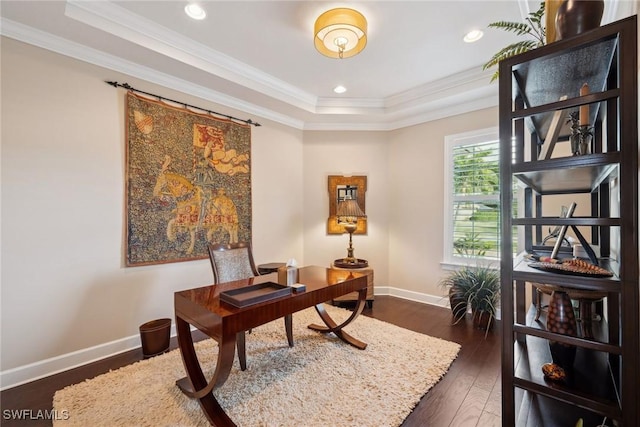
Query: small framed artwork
(341, 187)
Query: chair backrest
(231, 261)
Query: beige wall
(64, 286)
(347, 153)
(416, 218)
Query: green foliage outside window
(476, 171)
(471, 245)
(476, 189)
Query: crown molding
(471, 79)
(460, 93)
(120, 22)
(456, 94)
(425, 103)
(616, 9)
(438, 108)
(80, 52)
(115, 20)
(408, 101)
(328, 105)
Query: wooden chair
(234, 261)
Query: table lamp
(347, 214)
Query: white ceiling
(259, 57)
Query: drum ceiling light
(340, 33)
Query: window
(472, 197)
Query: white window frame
(450, 259)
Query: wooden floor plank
(489, 420)
(471, 408)
(494, 404)
(490, 369)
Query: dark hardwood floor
(468, 395)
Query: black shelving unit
(604, 380)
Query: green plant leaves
(519, 28)
(532, 27)
(509, 51)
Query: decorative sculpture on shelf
(562, 320)
(586, 135)
(575, 132)
(581, 136)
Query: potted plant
(484, 297)
(477, 287)
(457, 291)
(533, 27)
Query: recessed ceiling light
(340, 89)
(473, 36)
(195, 11)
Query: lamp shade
(348, 209)
(340, 33)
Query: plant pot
(458, 304)
(482, 320)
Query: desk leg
(195, 384)
(337, 329)
(288, 326)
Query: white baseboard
(438, 300)
(44, 368)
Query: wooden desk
(202, 308)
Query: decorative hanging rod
(162, 98)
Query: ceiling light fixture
(194, 11)
(473, 36)
(339, 89)
(340, 33)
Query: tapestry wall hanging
(188, 182)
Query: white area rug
(321, 381)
